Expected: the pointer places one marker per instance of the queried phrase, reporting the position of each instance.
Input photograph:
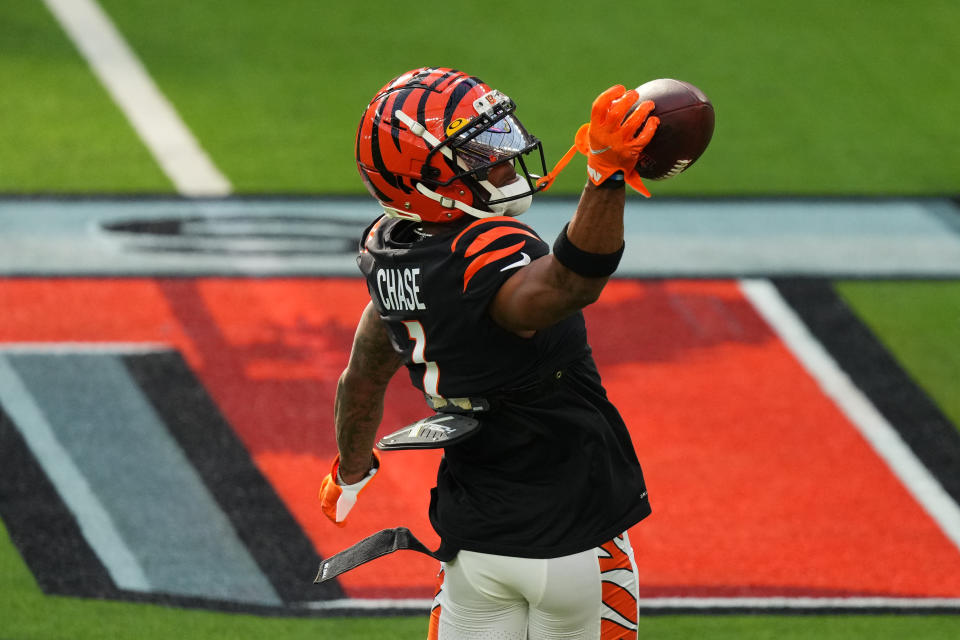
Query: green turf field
(59, 130)
(920, 323)
(826, 97)
(819, 97)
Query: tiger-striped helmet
(429, 137)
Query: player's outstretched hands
(337, 499)
(612, 143)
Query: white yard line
(71, 348)
(369, 604)
(884, 439)
(153, 117)
(775, 603)
(94, 520)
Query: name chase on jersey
(399, 289)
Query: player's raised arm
(589, 248)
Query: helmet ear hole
(429, 173)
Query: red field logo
(210, 400)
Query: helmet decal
(456, 125)
(461, 90)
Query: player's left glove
(336, 498)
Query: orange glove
(613, 144)
(336, 499)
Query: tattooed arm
(358, 408)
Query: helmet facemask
(475, 145)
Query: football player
(533, 508)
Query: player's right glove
(610, 142)
(336, 499)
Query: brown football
(686, 126)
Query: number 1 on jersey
(431, 377)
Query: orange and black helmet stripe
(392, 159)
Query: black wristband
(584, 263)
(615, 181)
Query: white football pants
(590, 595)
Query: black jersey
(552, 471)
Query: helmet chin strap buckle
(454, 204)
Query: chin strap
(546, 181)
(582, 145)
(450, 203)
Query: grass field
(59, 130)
(819, 98)
(812, 98)
(920, 323)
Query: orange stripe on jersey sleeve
(453, 245)
(485, 259)
(484, 239)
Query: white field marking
(412, 604)
(858, 409)
(151, 114)
(94, 520)
(122, 348)
(773, 603)
(801, 603)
